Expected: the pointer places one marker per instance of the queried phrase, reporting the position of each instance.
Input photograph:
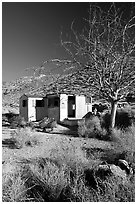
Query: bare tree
(106, 50)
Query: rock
(117, 171)
(103, 171)
(123, 164)
(88, 115)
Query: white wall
(63, 106)
(89, 107)
(81, 108)
(32, 110)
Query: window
(39, 103)
(24, 103)
(88, 100)
(53, 102)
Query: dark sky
(31, 33)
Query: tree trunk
(113, 114)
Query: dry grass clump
(17, 121)
(91, 128)
(64, 172)
(125, 136)
(13, 185)
(44, 180)
(25, 137)
(124, 143)
(68, 153)
(125, 117)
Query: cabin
(58, 106)
(32, 107)
(67, 106)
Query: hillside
(73, 83)
(11, 91)
(41, 85)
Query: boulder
(88, 115)
(118, 172)
(123, 164)
(103, 171)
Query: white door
(32, 109)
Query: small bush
(124, 118)
(25, 137)
(49, 179)
(69, 154)
(13, 185)
(48, 123)
(31, 125)
(91, 128)
(44, 180)
(125, 141)
(126, 137)
(17, 121)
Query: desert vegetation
(71, 170)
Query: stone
(123, 164)
(103, 171)
(117, 171)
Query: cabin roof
(32, 96)
(51, 94)
(57, 94)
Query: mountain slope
(11, 91)
(42, 85)
(79, 82)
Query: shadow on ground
(61, 129)
(10, 143)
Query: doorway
(71, 107)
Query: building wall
(89, 107)
(54, 113)
(63, 106)
(23, 111)
(35, 113)
(81, 108)
(42, 112)
(31, 109)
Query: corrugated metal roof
(69, 94)
(33, 96)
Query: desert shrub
(17, 121)
(13, 185)
(48, 123)
(124, 118)
(125, 136)
(44, 179)
(56, 183)
(10, 115)
(31, 125)
(113, 189)
(49, 179)
(69, 154)
(91, 128)
(25, 137)
(124, 140)
(100, 107)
